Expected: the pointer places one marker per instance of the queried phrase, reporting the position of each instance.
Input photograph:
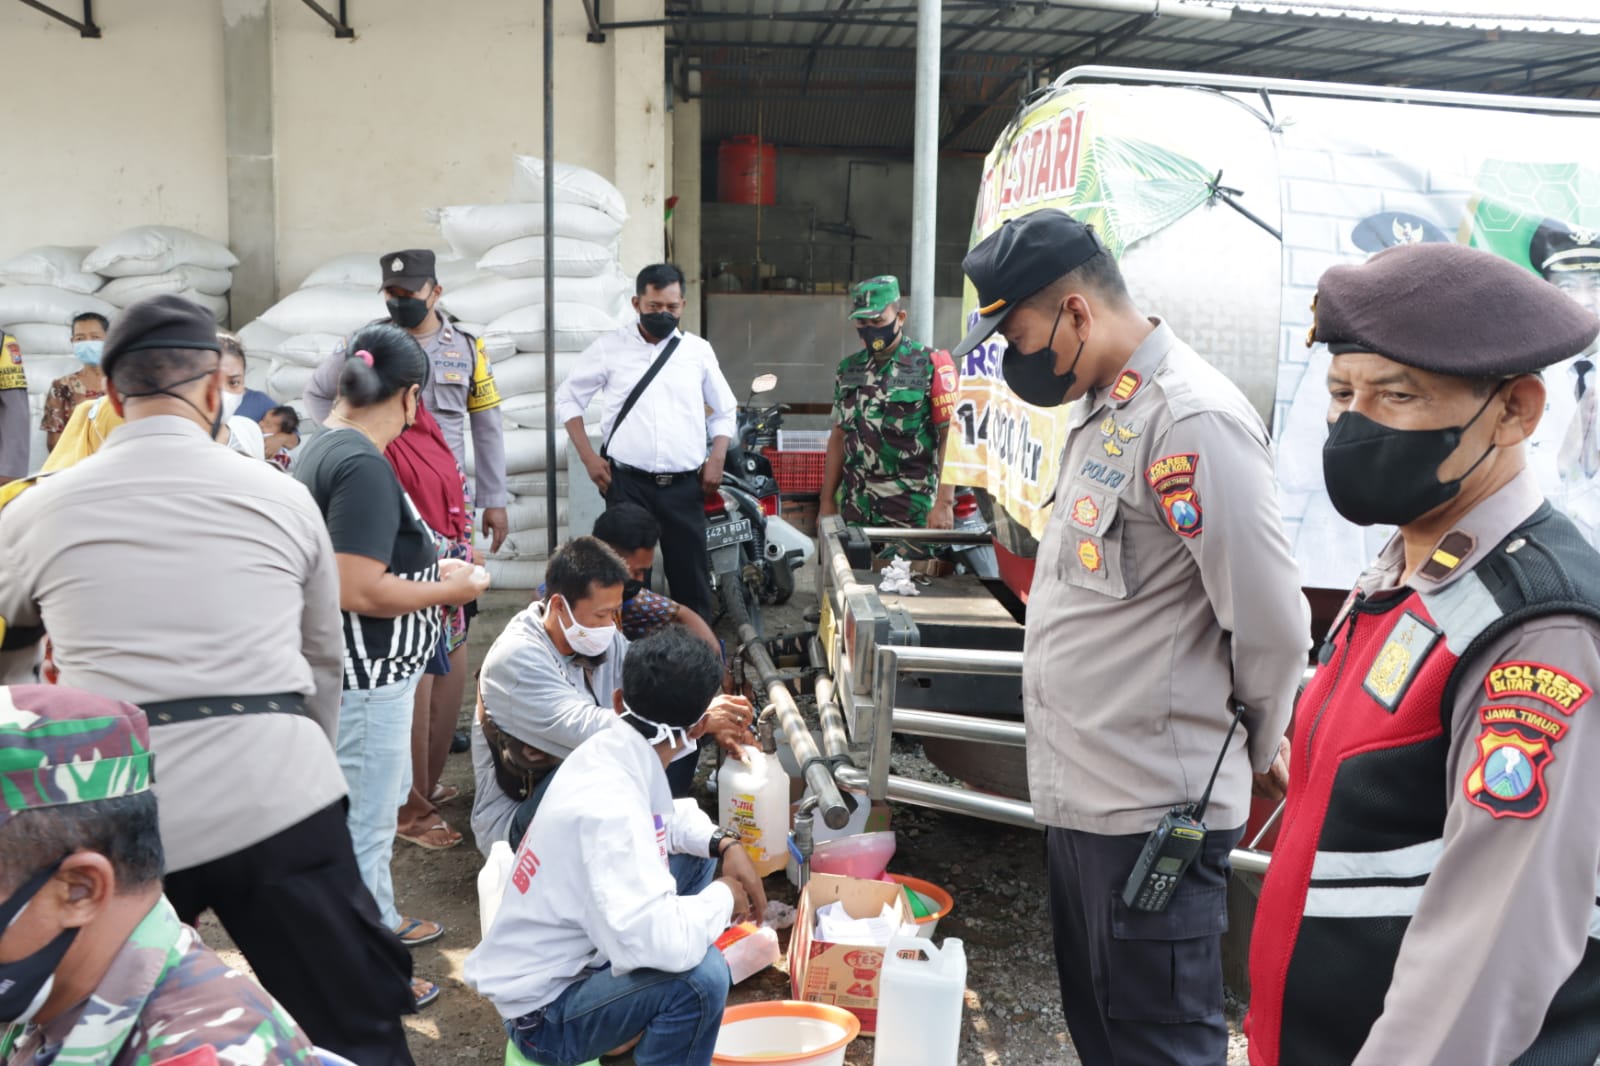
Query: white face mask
(230, 403)
(662, 730)
(586, 640)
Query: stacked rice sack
(42, 288)
(506, 308)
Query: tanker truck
(1225, 199)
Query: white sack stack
(506, 308)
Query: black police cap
(1023, 256)
(409, 269)
(1449, 309)
(1557, 248)
(165, 321)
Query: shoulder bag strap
(633, 397)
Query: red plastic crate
(796, 472)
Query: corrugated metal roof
(840, 73)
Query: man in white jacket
(606, 931)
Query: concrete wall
(100, 135)
(424, 108)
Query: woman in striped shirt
(391, 583)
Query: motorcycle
(753, 553)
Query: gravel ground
(995, 873)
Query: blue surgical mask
(88, 352)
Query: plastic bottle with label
(919, 1002)
(753, 800)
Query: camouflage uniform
(890, 407)
(165, 993)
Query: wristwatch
(717, 837)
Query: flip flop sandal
(444, 794)
(424, 992)
(437, 837)
(414, 932)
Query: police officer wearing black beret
(1431, 898)
(136, 560)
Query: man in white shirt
(548, 684)
(606, 933)
(654, 452)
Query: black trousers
(1139, 988)
(295, 906)
(680, 510)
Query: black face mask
(25, 984)
(879, 339)
(1032, 375)
(659, 324)
(1377, 475)
(216, 421)
(407, 312)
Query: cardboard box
(845, 975)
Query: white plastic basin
(785, 1032)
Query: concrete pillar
(252, 165)
(639, 147)
(686, 216)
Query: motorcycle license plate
(725, 533)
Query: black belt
(171, 712)
(660, 479)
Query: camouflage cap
(61, 745)
(872, 297)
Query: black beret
(1557, 248)
(1017, 260)
(410, 269)
(1449, 309)
(165, 321)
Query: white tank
(919, 1002)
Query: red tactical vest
(1364, 823)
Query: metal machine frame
(867, 704)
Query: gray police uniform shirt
(168, 567)
(1163, 590)
(541, 697)
(16, 427)
(1510, 903)
(445, 396)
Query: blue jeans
(678, 1013)
(375, 754)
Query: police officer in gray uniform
(460, 390)
(1432, 895)
(1164, 593)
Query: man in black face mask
(662, 396)
(891, 412)
(1164, 596)
(1431, 898)
(135, 560)
(460, 391)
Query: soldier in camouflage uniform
(891, 411)
(82, 874)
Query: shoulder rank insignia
(1172, 479)
(1452, 548)
(1536, 681)
(1508, 778)
(1126, 385)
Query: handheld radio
(1174, 843)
